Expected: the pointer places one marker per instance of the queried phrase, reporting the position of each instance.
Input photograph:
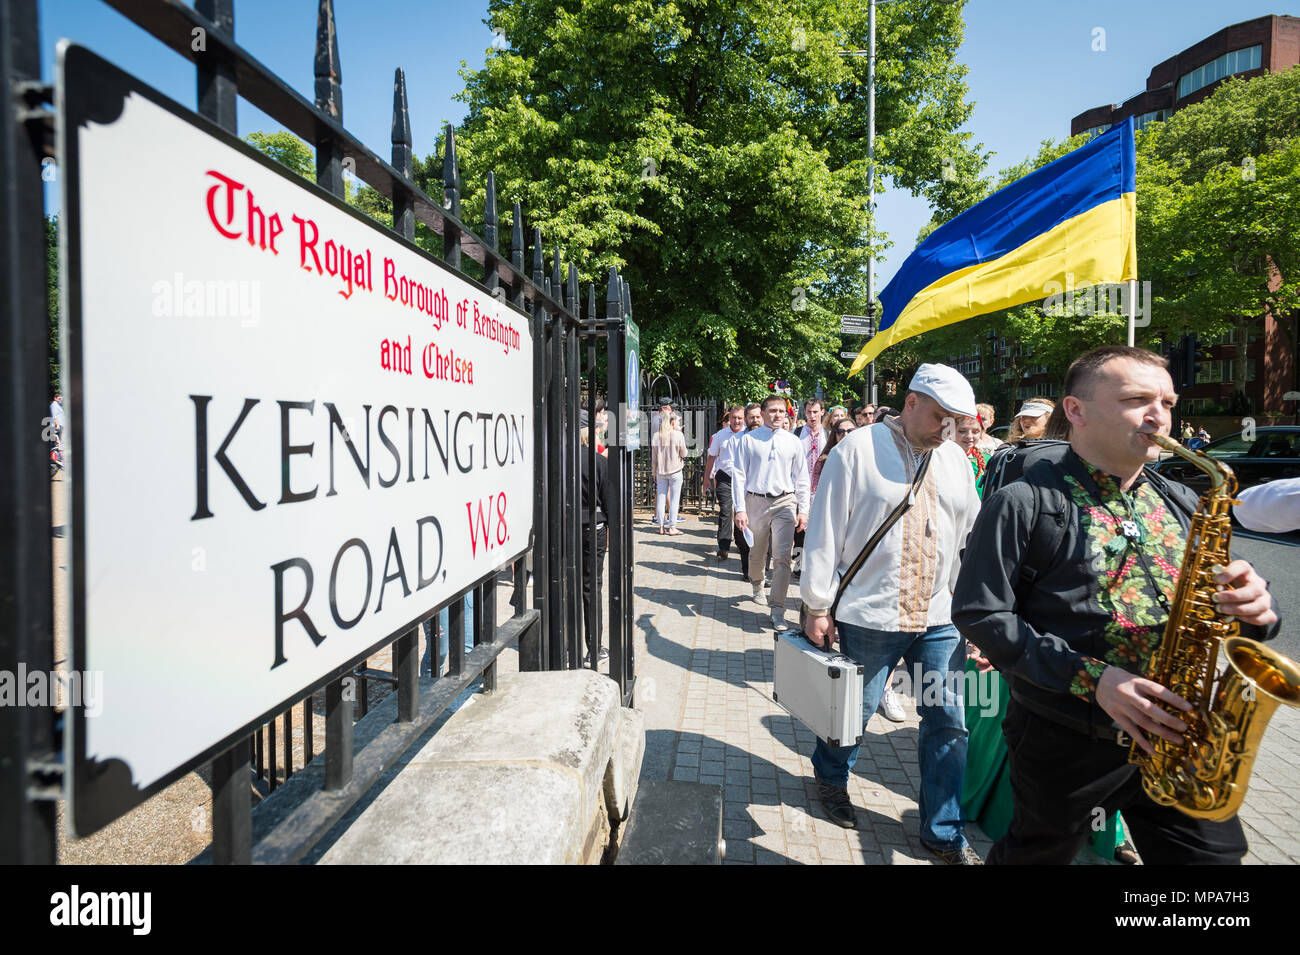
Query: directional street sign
(857, 325)
(848, 354)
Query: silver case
(821, 690)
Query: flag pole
(1132, 312)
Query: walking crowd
(1045, 576)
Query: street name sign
(297, 434)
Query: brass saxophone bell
(1206, 774)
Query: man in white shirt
(769, 482)
(1272, 508)
(753, 419)
(719, 477)
(899, 603)
(56, 416)
(813, 436)
(814, 411)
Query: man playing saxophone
(1068, 595)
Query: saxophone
(1205, 775)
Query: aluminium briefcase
(821, 690)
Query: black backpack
(1052, 506)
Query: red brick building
(1267, 44)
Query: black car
(1255, 457)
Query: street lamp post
(869, 385)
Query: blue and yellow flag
(1075, 215)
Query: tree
(715, 151)
(286, 149)
(1218, 200)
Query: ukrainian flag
(1077, 215)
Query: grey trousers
(771, 521)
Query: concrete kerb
(529, 774)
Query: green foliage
(1218, 200)
(288, 150)
(715, 152)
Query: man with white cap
(898, 603)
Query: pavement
(704, 674)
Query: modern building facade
(1265, 45)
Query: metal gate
(701, 417)
(567, 331)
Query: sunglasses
(843, 431)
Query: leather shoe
(839, 808)
(963, 856)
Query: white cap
(946, 386)
(1033, 409)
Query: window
(1231, 337)
(1214, 371)
(1278, 444)
(1095, 130)
(1221, 369)
(1235, 61)
(1235, 447)
(1155, 116)
(1044, 389)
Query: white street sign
(296, 434)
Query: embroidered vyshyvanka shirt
(1136, 579)
(906, 583)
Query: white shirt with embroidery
(906, 584)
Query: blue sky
(1032, 65)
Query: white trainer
(890, 708)
(760, 598)
(778, 618)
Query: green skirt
(986, 792)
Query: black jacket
(601, 466)
(1038, 643)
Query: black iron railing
(546, 628)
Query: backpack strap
(1051, 512)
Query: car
(1255, 456)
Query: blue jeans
(941, 660)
